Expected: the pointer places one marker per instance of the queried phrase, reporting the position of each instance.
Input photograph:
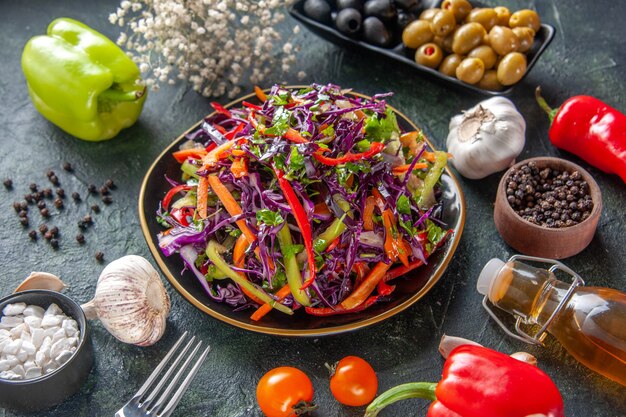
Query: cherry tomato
(354, 382)
(284, 390)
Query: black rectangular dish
(404, 55)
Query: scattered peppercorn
(107, 199)
(80, 238)
(68, 167)
(548, 197)
(49, 173)
(60, 192)
(32, 235)
(33, 187)
(43, 228)
(47, 192)
(17, 206)
(99, 256)
(88, 220)
(58, 203)
(76, 196)
(109, 183)
(54, 243)
(95, 208)
(8, 183)
(104, 190)
(22, 213)
(44, 212)
(41, 204)
(24, 206)
(36, 196)
(24, 221)
(48, 235)
(54, 230)
(29, 198)
(54, 180)
(92, 189)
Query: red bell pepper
(181, 214)
(590, 129)
(303, 223)
(251, 106)
(171, 193)
(480, 382)
(221, 109)
(375, 148)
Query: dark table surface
(586, 57)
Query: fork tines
(156, 399)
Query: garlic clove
(448, 343)
(131, 301)
(525, 357)
(41, 281)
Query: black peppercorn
(47, 192)
(109, 183)
(68, 167)
(29, 198)
(32, 235)
(54, 243)
(54, 180)
(107, 199)
(95, 208)
(87, 219)
(33, 187)
(24, 206)
(60, 192)
(99, 256)
(48, 235)
(44, 212)
(8, 183)
(80, 238)
(92, 189)
(43, 228)
(54, 230)
(41, 204)
(58, 203)
(104, 190)
(17, 206)
(49, 173)
(76, 196)
(24, 221)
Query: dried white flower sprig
(213, 44)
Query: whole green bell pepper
(81, 81)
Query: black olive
(318, 10)
(349, 21)
(403, 19)
(375, 32)
(382, 9)
(408, 5)
(350, 4)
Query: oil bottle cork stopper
(488, 275)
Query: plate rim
(325, 331)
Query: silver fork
(152, 399)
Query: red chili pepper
(480, 382)
(171, 193)
(251, 106)
(303, 223)
(221, 109)
(375, 148)
(384, 289)
(230, 135)
(181, 215)
(590, 129)
(338, 309)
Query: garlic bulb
(130, 301)
(486, 138)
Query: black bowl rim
(81, 320)
(322, 331)
(391, 53)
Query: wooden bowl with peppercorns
(547, 207)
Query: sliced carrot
(239, 259)
(237, 152)
(239, 167)
(266, 308)
(203, 195)
(368, 213)
(360, 114)
(260, 94)
(409, 140)
(321, 208)
(401, 169)
(217, 153)
(294, 136)
(360, 294)
(182, 155)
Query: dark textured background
(586, 57)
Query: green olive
(503, 40)
(416, 34)
(429, 55)
(502, 15)
(525, 36)
(428, 14)
(525, 18)
(485, 16)
(511, 68)
(449, 64)
(460, 8)
(486, 54)
(467, 37)
(470, 70)
(443, 23)
(490, 81)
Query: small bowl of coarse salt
(45, 349)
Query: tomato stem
(303, 408)
(331, 368)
